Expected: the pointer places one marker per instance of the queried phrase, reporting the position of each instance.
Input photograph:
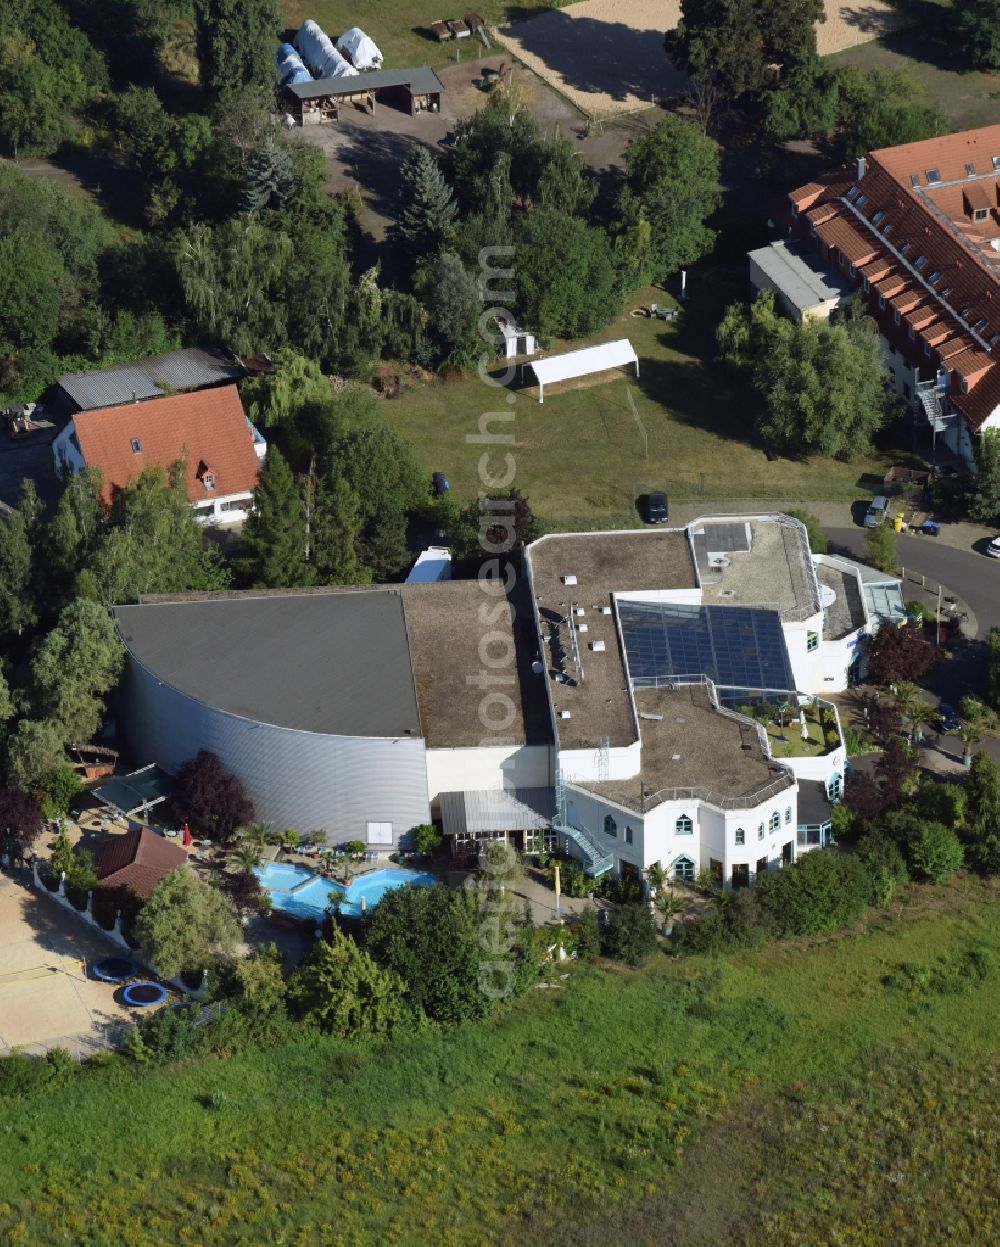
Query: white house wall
(470, 770)
(624, 762)
(655, 837)
(305, 780)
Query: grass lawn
(579, 456)
(401, 28)
(801, 1084)
(793, 746)
(967, 97)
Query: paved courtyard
(47, 999)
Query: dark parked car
(440, 484)
(948, 720)
(653, 508)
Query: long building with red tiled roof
(917, 229)
(208, 429)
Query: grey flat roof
(421, 81)
(137, 791)
(333, 662)
(799, 276)
(189, 369)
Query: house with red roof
(208, 429)
(916, 230)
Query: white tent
(359, 49)
(319, 53)
(583, 363)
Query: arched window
(684, 826)
(788, 814)
(628, 834)
(835, 786)
(741, 836)
(610, 826)
(760, 831)
(775, 821)
(684, 870)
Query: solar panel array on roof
(736, 647)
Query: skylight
(980, 324)
(862, 200)
(970, 169)
(878, 218)
(996, 162)
(933, 175)
(919, 262)
(853, 193)
(935, 278)
(136, 446)
(914, 180)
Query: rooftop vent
(582, 628)
(654, 718)
(565, 714)
(605, 610)
(726, 593)
(675, 757)
(597, 646)
(537, 667)
(579, 610)
(569, 580)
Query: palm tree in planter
(970, 735)
(907, 698)
(668, 905)
(922, 714)
(784, 710)
(248, 856)
(656, 877)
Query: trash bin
(898, 523)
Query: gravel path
(606, 56)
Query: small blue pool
(300, 891)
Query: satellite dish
(827, 596)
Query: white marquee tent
(319, 53)
(583, 363)
(359, 49)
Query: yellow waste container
(897, 523)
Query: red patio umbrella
(186, 838)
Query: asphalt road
(970, 575)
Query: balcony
(820, 736)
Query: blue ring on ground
(133, 994)
(115, 969)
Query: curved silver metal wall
(296, 779)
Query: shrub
(817, 537)
(629, 934)
(587, 935)
(936, 852)
(427, 839)
(57, 790)
(170, 1034)
(573, 880)
(733, 920)
(885, 866)
(919, 612)
(21, 1074)
(820, 892)
(621, 890)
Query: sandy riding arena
(606, 56)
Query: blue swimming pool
(300, 891)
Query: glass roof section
(736, 647)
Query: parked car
(877, 512)
(653, 508)
(993, 549)
(948, 720)
(439, 483)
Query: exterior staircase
(596, 861)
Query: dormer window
(933, 175)
(136, 446)
(980, 214)
(208, 480)
(963, 384)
